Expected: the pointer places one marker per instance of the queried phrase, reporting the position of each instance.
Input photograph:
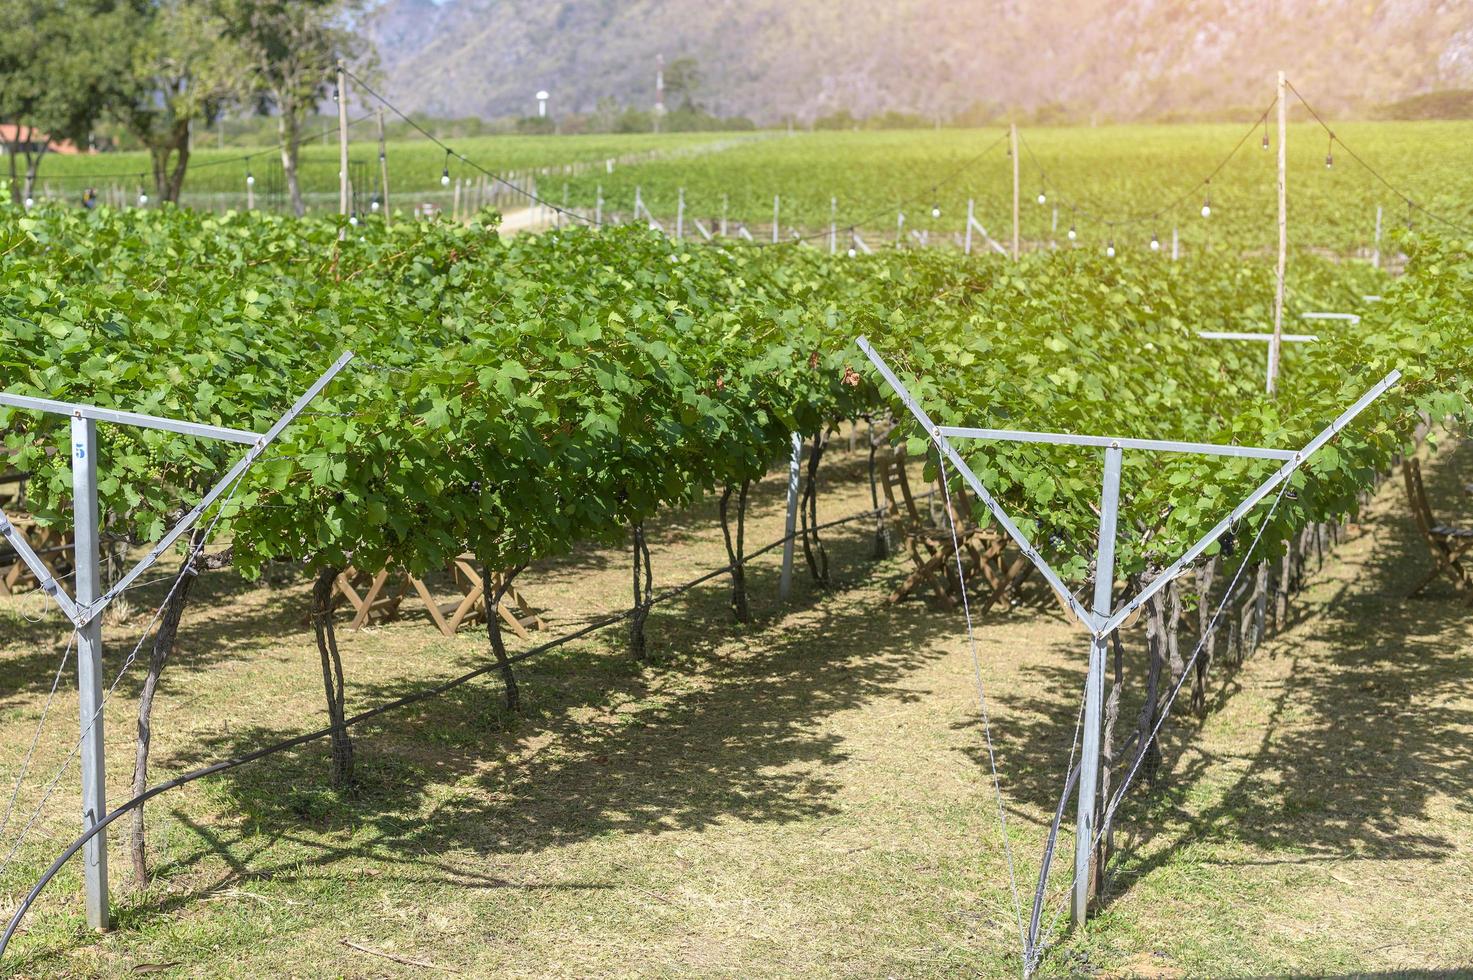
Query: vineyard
(574, 411)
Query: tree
(60, 67)
(182, 69)
(683, 80)
(292, 47)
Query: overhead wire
(1120, 220)
(1335, 138)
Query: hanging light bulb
(935, 210)
(142, 199)
(852, 253)
(1330, 153)
(1110, 249)
(445, 174)
(1072, 233)
(250, 179)
(30, 202)
(1207, 207)
(353, 220)
(1155, 242)
(1042, 198)
(1265, 130)
(374, 204)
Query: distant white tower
(659, 90)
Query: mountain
(770, 59)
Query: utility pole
(342, 146)
(1278, 338)
(1013, 152)
(383, 168)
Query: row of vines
(518, 398)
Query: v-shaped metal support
(85, 607)
(1101, 619)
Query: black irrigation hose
(226, 765)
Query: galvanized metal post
(89, 665)
(971, 219)
(785, 582)
(775, 209)
(1094, 688)
(724, 202)
(598, 206)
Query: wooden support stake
(342, 147)
(1013, 152)
(1278, 338)
(383, 168)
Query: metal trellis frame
(1100, 620)
(86, 606)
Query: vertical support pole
(723, 215)
(1376, 255)
(1278, 338)
(383, 169)
(638, 202)
(342, 146)
(598, 206)
(1094, 688)
(1013, 152)
(455, 202)
(1175, 245)
(899, 227)
(89, 666)
(971, 219)
(785, 582)
(680, 215)
(1054, 224)
(775, 204)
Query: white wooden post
(598, 206)
(1276, 343)
(1376, 255)
(971, 219)
(775, 205)
(723, 215)
(1013, 152)
(1175, 245)
(383, 169)
(342, 147)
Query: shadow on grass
(1368, 728)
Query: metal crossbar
(1113, 442)
(1293, 338)
(77, 410)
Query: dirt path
(806, 796)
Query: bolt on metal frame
(1100, 620)
(84, 609)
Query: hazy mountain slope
(770, 58)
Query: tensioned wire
(187, 568)
(1140, 754)
(1002, 815)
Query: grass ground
(806, 796)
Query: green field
(1095, 176)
